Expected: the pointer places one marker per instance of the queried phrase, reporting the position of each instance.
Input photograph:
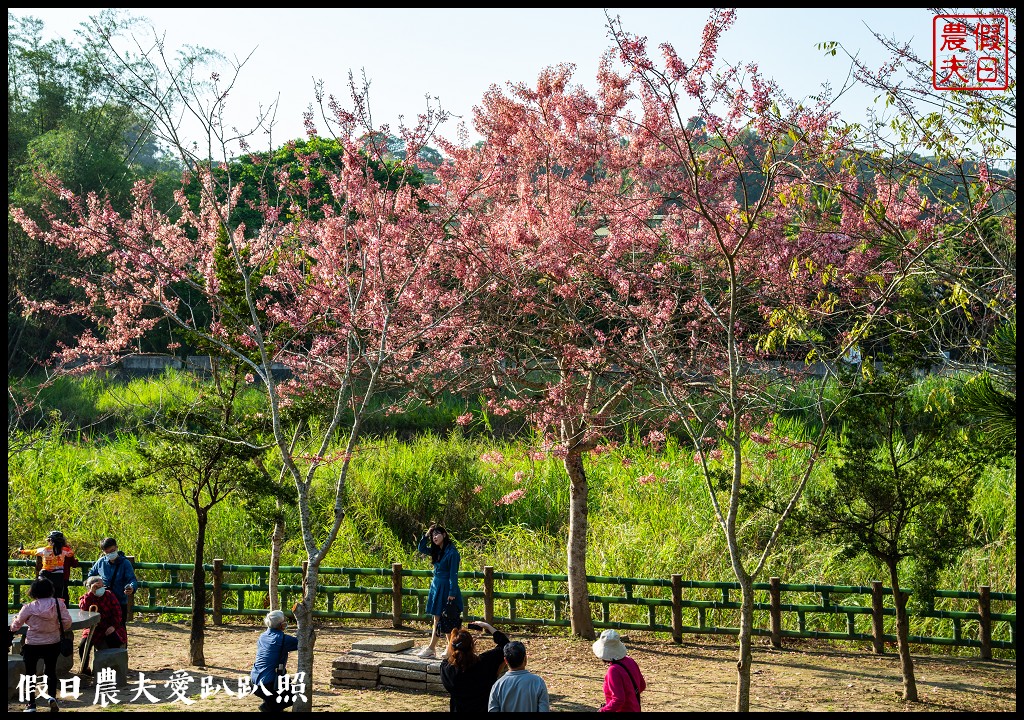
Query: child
(58, 559)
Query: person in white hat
(623, 681)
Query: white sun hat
(609, 646)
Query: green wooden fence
(666, 605)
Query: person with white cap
(623, 681)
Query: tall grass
(649, 511)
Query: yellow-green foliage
(649, 511)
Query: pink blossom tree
(554, 165)
(765, 279)
(353, 295)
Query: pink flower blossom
(645, 479)
(511, 497)
(492, 457)
(249, 378)
(626, 462)
(655, 438)
(478, 489)
(464, 420)
(519, 477)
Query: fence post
(218, 591)
(775, 600)
(985, 632)
(877, 618)
(488, 594)
(396, 595)
(677, 609)
(131, 598)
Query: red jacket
(110, 614)
(619, 695)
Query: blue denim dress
(446, 578)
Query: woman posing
(444, 586)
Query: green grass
(399, 483)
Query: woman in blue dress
(444, 587)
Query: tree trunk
(746, 635)
(196, 654)
(902, 637)
(579, 605)
(276, 543)
(304, 632)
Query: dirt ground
(694, 676)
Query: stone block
(363, 655)
(66, 663)
(113, 658)
(383, 644)
(349, 662)
(409, 663)
(390, 672)
(355, 674)
(402, 684)
(361, 684)
(15, 669)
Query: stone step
(388, 672)
(395, 682)
(385, 644)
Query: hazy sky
(455, 54)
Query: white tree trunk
(276, 543)
(745, 659)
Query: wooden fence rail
(671, 605)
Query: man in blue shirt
(117, 573)
(518, 690)
(272, 648)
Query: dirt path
(690, 677)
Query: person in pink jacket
(42, 639)
(623, 681)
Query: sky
(455, 55)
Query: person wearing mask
(518, 690)
(466, 676)
(623, 681)
(42, 639)
(272, 648)
(118, 576)
(57, 560)
(109, 631)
